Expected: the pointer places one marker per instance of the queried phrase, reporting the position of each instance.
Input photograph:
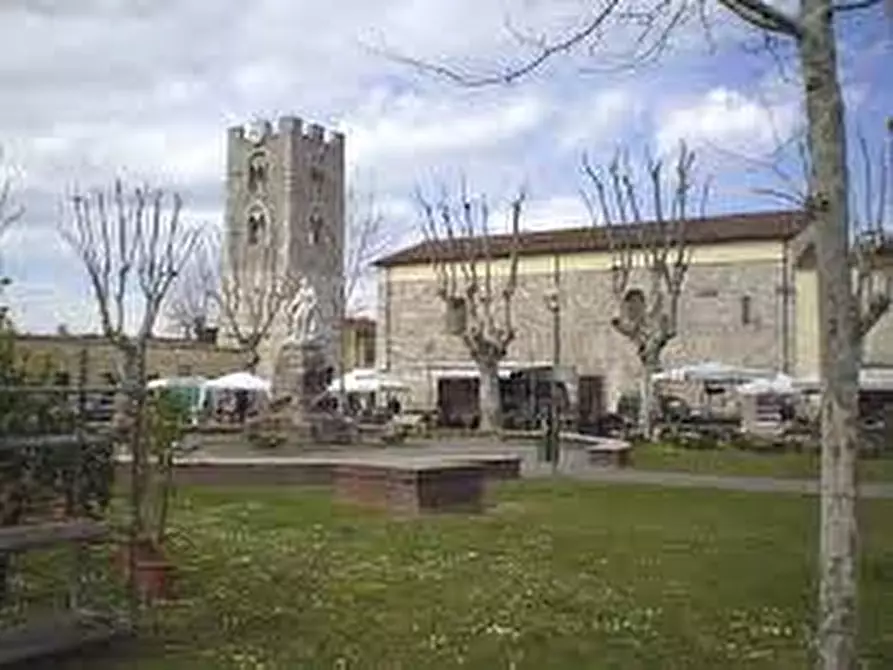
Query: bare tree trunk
(491, 414)
(650, 365)
(828, 207)
(253, 360)
(133, 389)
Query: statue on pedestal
(304, 322)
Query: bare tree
(479, 308)
(191, 307)
(365, 239)
(811, 29)
(873, 281)
(132, 245)
(255, 286)
(10, 212)
(648, 316)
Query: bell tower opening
(257, 223)
(257, 173)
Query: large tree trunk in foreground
(838, 346)
(490, 405)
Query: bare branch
(856, 4)
(190, 305)
(873, 283)
(10, 212)
(367, 237)
(254, 287)
(547, 50)
(648, 315)
(764, 16)
(486, 334)
(111, 244)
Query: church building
(749, 299)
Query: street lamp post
(553, 304)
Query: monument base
(300, 378)
(300, 373)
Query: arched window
(317, 177)
(633, 308)
(258, 171)
(315, 234)
(257, 222)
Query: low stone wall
(602, 451)
(296, 471)
(410, 487)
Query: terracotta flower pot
(152, 571)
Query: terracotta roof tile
(751, 226)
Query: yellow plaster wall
(807, 323)
(739, 252)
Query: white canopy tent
(870, 379)
(779, 385)
(368, 380)
(239, 381)
(712, 371)
(177, 382)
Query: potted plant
(165, 422)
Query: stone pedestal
(300, 373)
(299, 377)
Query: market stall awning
(870, 379)
(368, 380)
(177, 382)
(239, 381)
(713, 371)
(779, 385)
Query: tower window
(257, 172)
(256, 224)
(315, 229)
(316, 180)
(746, 310)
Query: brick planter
(412, 486)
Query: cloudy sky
(94, 89)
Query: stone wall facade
(166, 358)
(739, 312)
(358, 342)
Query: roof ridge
(723, 228)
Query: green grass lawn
(730, 461)
(556, 575)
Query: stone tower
(285, 215)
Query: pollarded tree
(648, 313)
(132, 245)
(478, 306)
